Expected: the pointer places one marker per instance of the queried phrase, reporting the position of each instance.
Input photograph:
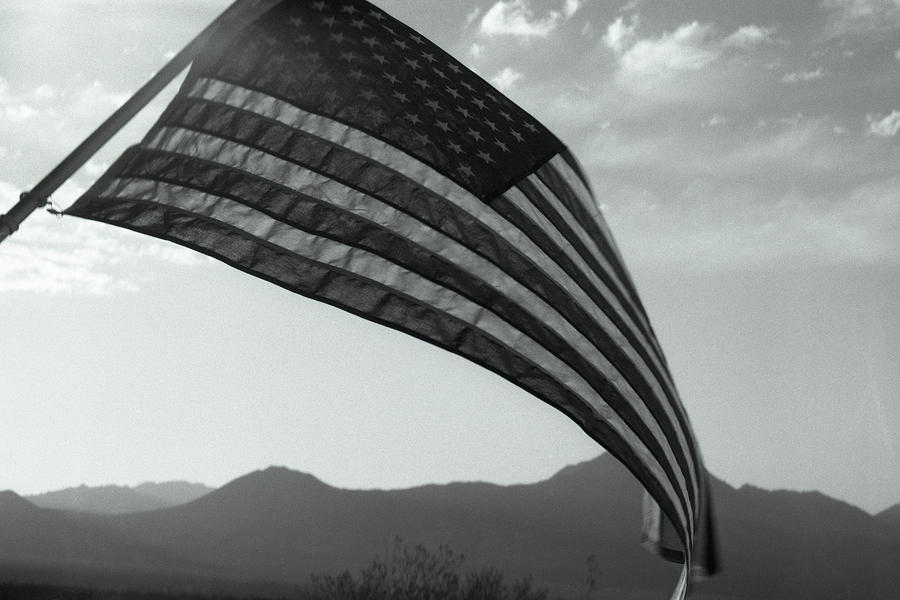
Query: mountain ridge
(278, 525)
(115, 499)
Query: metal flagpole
(239, 12)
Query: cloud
(45, 92)
(887, 126)
(690, 47)
(13, 107)
(90, 98)
(620, 36)
(515, 17)
(474, 14)
(715, 121)
(798, 76)
(714, 226)
(862, 17)
(749, 36)
(17, 113)
(94, 169)
(796, 152)
(53, 256)
(685, 49)
(505, 79)
(571, 7)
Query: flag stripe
(364, 264)
(569, 171)
(550, 203)
(542, 197)
(624, 347)
(592, 265)
(516, 207)
(570, 175)
(567, 168)
(554, 210)
(571, 200)
(564, 174)
(236, 129)
(566, 163)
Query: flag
(334, 151)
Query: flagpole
(38, 196)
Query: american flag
(332, 150)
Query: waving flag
(332, 150)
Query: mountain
(70, 544)
(278, 525)
(113, 499)
(173, 493)
(785, 544)
(891, 516)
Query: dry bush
(417, 573)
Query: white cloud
(515, 17)
(571, 7)
(129, 50)
(476, 50)
(749, 36)
(506, 79)
(859, 9)
(690, 47)
(713, 226)
(620, 36)
(887, 126)
(45, 92)
(862, 16)
(16, 113)
(794, 149)
(94, 169)
(13, 108)
(715, 121)
(685, 49)
(95, 97)
(798, 76)
(860, 227)
(897, 54)
(470, 18)
(75, 256)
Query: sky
(746, 155)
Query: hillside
(279, 525)
(890, 516)
(114, 499)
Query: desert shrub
(417, 573)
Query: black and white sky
(746, 154)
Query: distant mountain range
(278, 526)
(115, 499)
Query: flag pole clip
(53, 209)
